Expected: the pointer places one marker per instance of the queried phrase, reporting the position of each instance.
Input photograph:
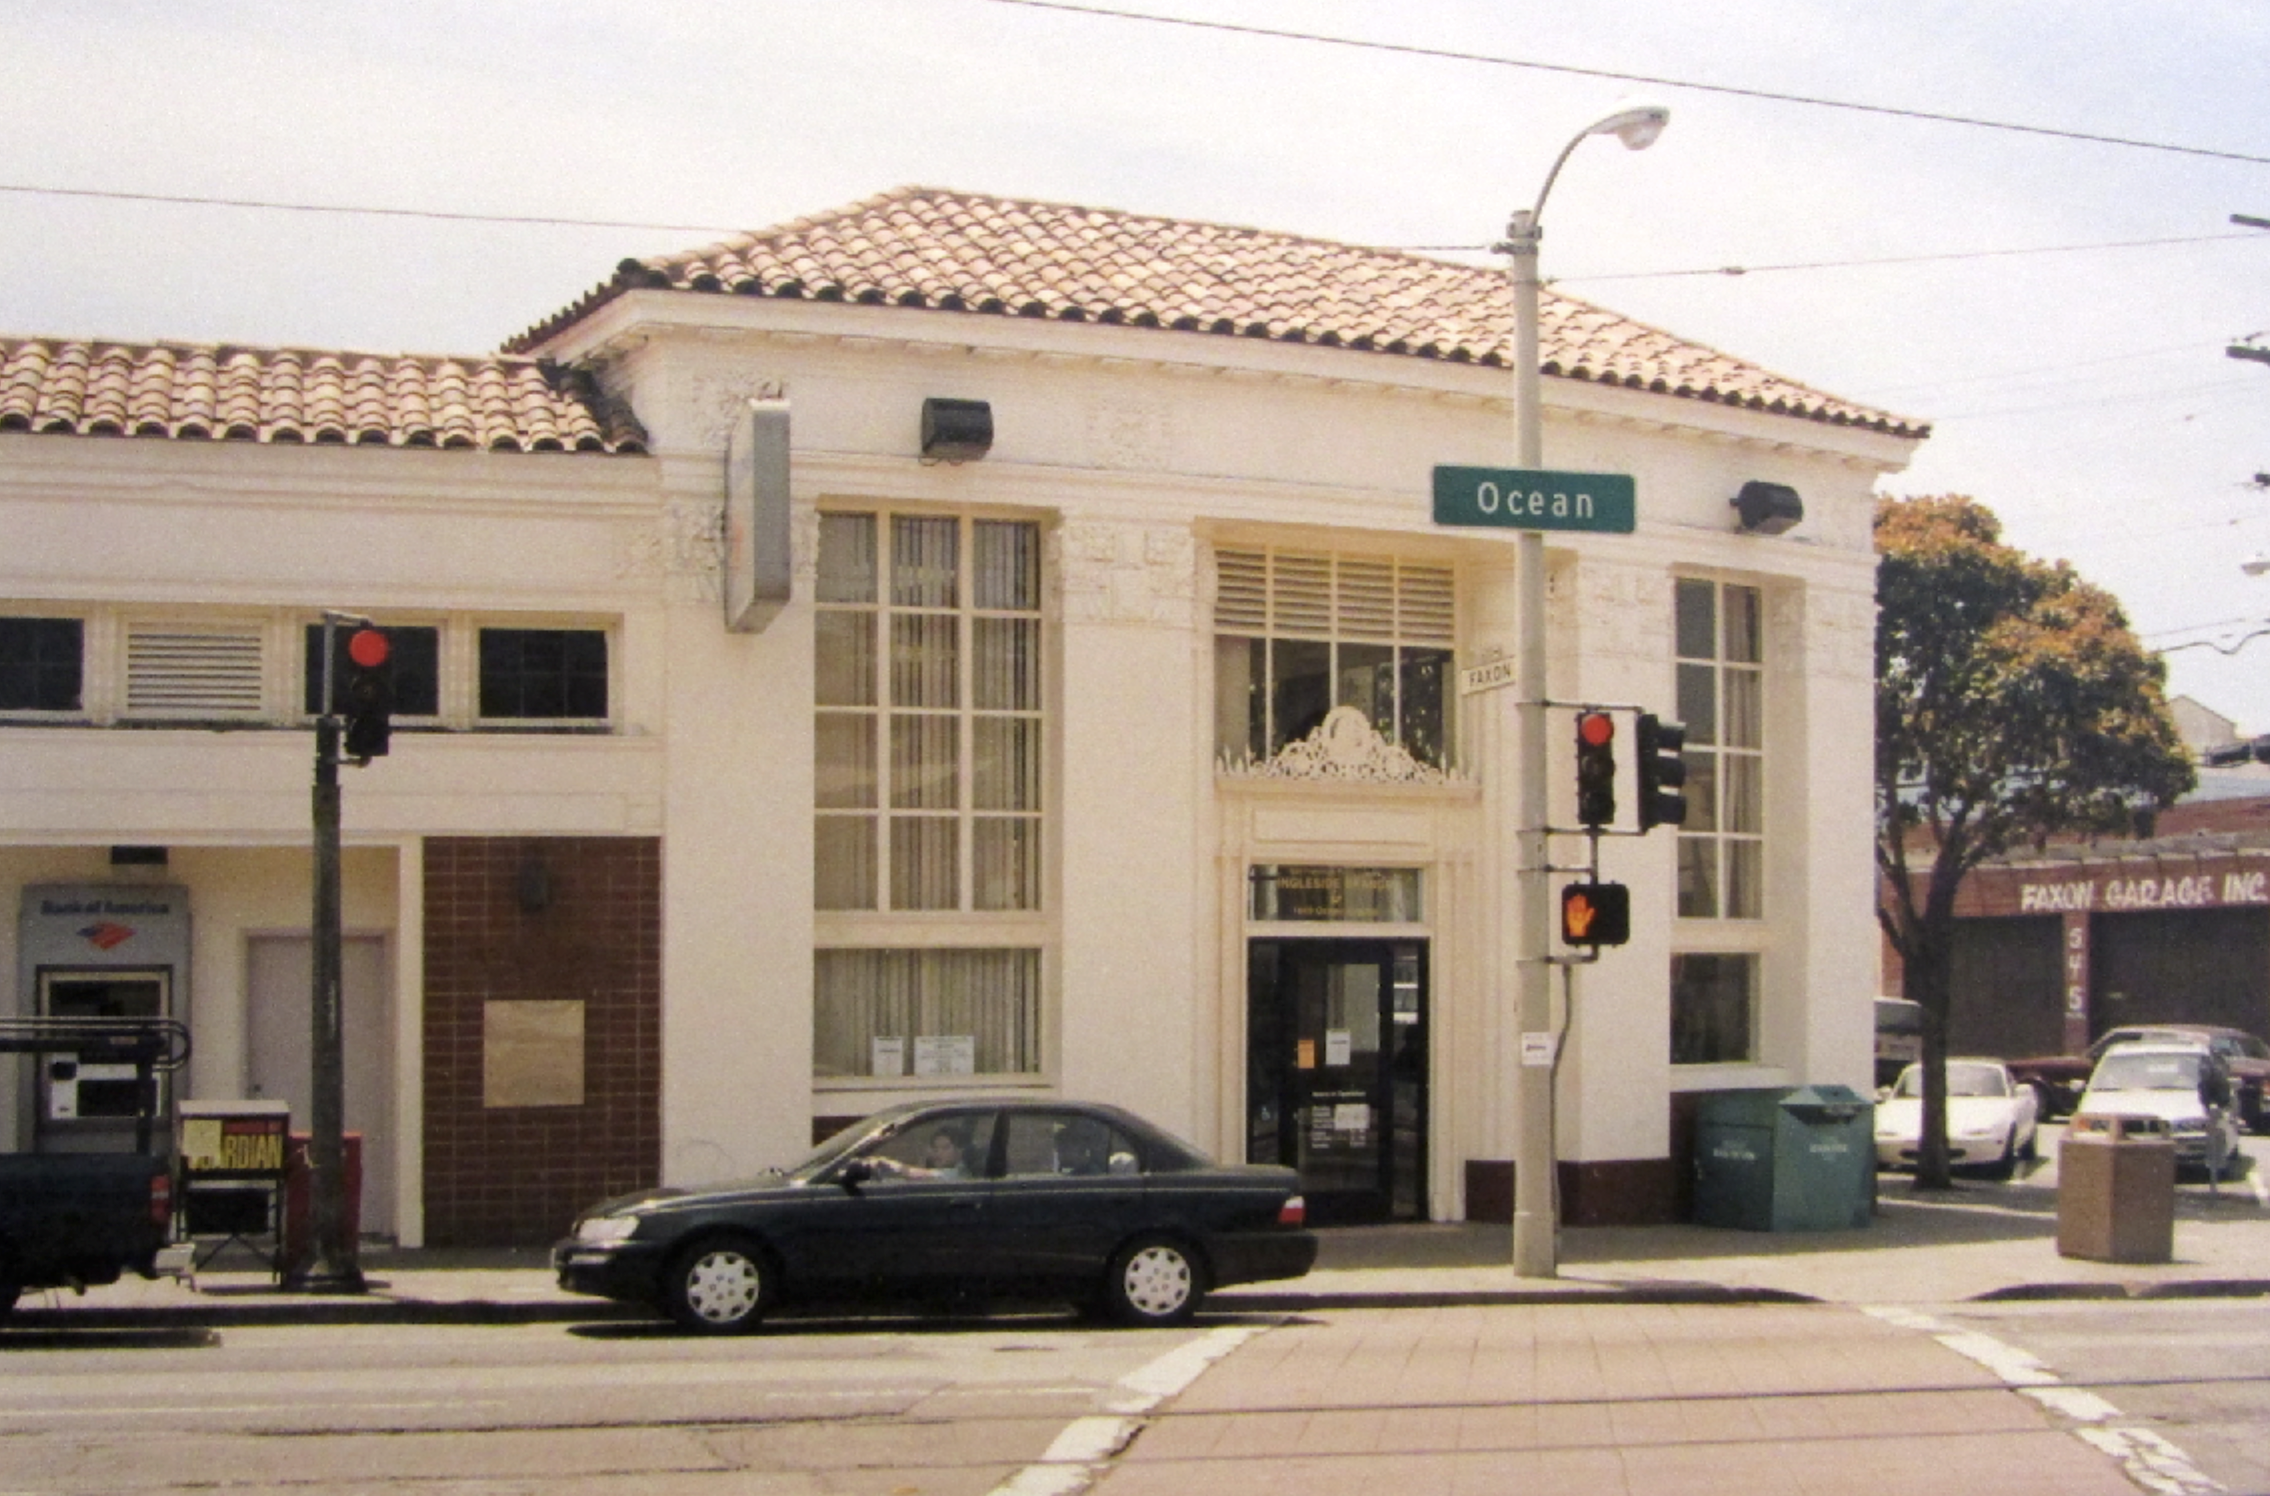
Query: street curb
(2198, 1288)
(284, 1310)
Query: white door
(282, 972)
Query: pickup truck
(2059, 1080)
(76, 1220)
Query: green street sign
(1533, 499)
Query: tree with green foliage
(2013, 703)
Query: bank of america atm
(93, 951)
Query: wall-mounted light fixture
(956, 430)
(1768, 508)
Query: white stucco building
(1035, 781)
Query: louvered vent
(173, 671)
(1366, 604)
(1301, 601)
(1426, 604)
(1241, 600)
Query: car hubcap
(1157, 1280)
(722, 1287)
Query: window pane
(1744, 633)
(40, 669)
(990, 997)
(843, 658)
(1005, 670)
(1698, 702)
(1697, 620)
(1745, 879)
(1301, 671)
(1702, 791)
(1744, 792)
(1745, 715)
(543, 673)
(843, 761)
(847, 558)
(1006, 766)
(1006, 574)
(1426, 726)
(925, 761)
(843, 862)
(1005, 851)
(1241, 674)
(925, 660)
(1366, 681)
(925, 563)
(925, 862)
(1710, 1009)
(1698, 877)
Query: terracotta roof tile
(498, 404)
(949, 251)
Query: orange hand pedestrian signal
(1596, 914)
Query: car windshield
(2147, 1072)
(1962, 1080)
(837, 1144)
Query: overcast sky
(2085, 394)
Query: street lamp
(1535, 1220)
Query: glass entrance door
(1336, 1073)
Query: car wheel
(2032, 1150)
(2005, 1167)
(1152, 1281)
(721, 1286)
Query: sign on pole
(1536, 499)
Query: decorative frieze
(1345, 748)
(1127, 574)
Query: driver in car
(942, 1158)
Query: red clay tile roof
(228, 393)
(921, 247)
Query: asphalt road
(2195, 1372)
(865, 1410)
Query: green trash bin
(1785, 1160)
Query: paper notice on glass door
(1337, 1046)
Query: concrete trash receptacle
(1785, 1160)
(2116, 1190)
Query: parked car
(1992, 1122)
(1899, 1037)
(2060, 1079)
(2185, 1085)
(968, 1200)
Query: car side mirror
(855, 1173)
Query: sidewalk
(1981, 1242)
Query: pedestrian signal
(1596, 914)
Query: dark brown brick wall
(517, 1176)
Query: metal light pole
(1536, 1242)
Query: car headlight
(1987, 1131)
(598, 1231)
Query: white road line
(2145, 1456)
(1078, 1455)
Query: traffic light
(1662, 770)
(1596, 914)
(366, 695)
(1595, 768)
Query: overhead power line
(270, 206)
(1922, 259)
(1408, 49)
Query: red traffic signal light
(366, 696)
(1596, 914)
(1595, 768)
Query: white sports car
(1991, 1121)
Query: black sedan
(943, 1201)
